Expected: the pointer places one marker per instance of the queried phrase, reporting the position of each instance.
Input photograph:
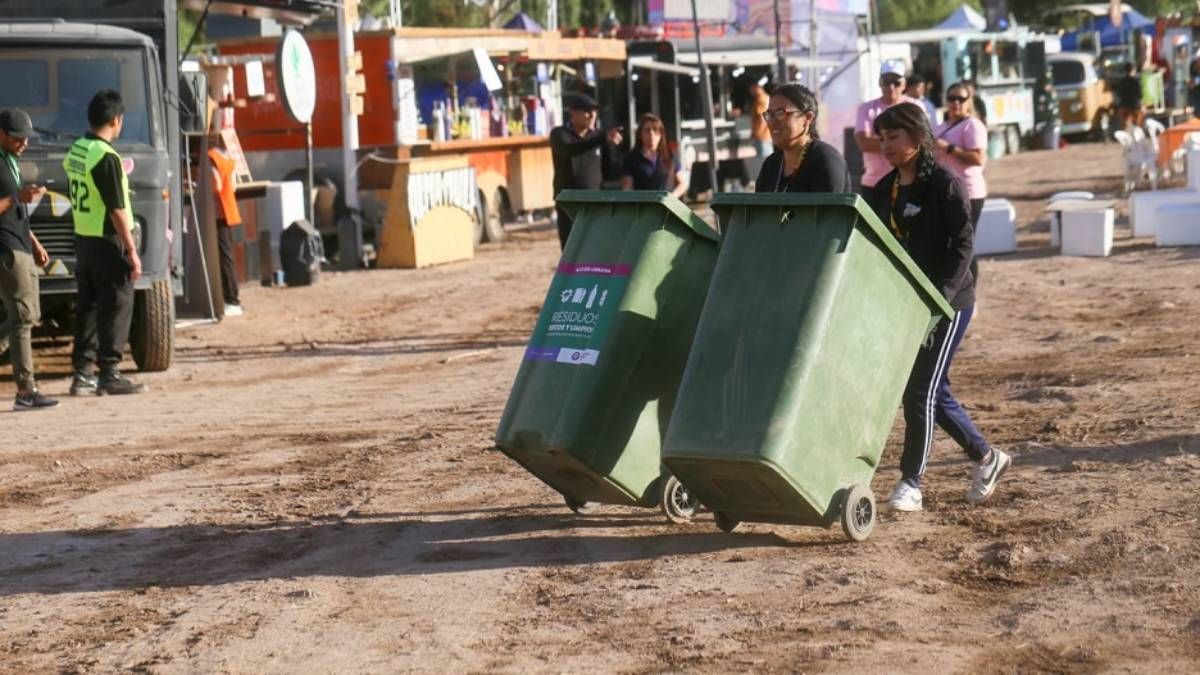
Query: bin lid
(571, 200)
(723, 203)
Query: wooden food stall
(488, 95)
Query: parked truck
(54, 56)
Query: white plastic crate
(997, 229)
(1087, 232)
(1178, 224)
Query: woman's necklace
(780, 185)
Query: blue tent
(523, 21)
(1110, 35)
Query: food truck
(1006, 69)
(489, 95)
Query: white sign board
(487, 71)
(297, 77)
(256, 84)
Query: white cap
(893, 67)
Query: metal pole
(706, 99)
(396, 14)
(813, 49)
(780, 61)
(349, 226)
(308, 176)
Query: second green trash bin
(814, 319)
(596, 388)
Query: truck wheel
(493, 224)
(480, 217)
(1012, 139)
(152, 335)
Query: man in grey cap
(20, 257)
(581, 153)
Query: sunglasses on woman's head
(957, 99)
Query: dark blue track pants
(927, 399)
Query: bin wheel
(858, 513)
(678, 504)
(580, 507)
(726, 523)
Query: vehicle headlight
(1075, 107)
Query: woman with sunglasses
(651, 165)
(802, 162)
(926, 207)
(961, 143)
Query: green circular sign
(297, 76)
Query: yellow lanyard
(780, 185)
(892, 209)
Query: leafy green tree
(897, 15)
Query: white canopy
(964, 17)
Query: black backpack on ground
(300, 254)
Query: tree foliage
(897, 15)
(468, 14)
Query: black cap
(580, 102)
(15, 122)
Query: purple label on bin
(584, 299)
(598, 269)
(541, 354)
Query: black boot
(83, 384)
(114, 384)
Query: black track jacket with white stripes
(938, 232)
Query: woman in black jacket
(927, 209)
(802, 162)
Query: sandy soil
(312, 489)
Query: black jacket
(823, 170)
(580, 162)
(939, 237)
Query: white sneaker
(233, 310)
(987, 476)
(905, 498)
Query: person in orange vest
(228, 217)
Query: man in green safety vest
(107, 261)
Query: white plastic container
(1055, 220)
(1178, 224)
(1143, 207)
(1087, 232)
(282, 205)
(1193, 170)
(997, 229)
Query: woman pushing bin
(929, 212)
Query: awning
(291, 12)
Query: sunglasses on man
(891, 81)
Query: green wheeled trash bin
(595, 391)
(800, 360)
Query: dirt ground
(312, 489)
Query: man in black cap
(581, 153)
(20, 257)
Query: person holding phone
(21, 254)
(581, 153)
(107, 261)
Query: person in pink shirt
(962, 144)
(891, 86)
